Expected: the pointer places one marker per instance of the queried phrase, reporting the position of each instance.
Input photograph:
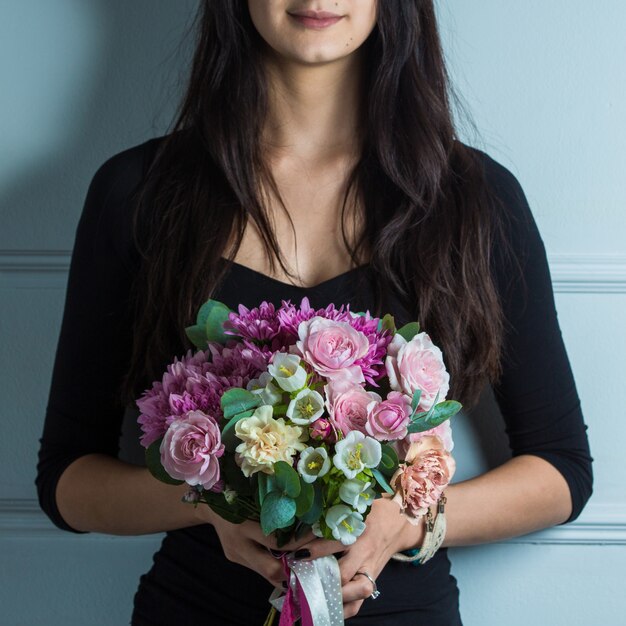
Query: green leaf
(287, 479)
(417, 394)
(438, 414)
(380, 479)
(197, 336)
(277, 511)
(408, 331)
(203, 313)
(315, 512)
(237, 400)
(387, 323)
(304, 501)
(229, 438)
(214, 325)
(389, 460)
(267, 484)
(153, 461)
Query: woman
(313, 155)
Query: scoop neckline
(270, 279)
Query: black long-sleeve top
(536, 393)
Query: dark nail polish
(302, 554)
(284, 584)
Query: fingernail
(302, 554)
(338, 555)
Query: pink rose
(388, 420)
(322, 429)
(417, 364)
(332, 348)
(443, 431)
(347, 405)
(419, 481)
(191, 448)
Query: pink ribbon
(295, 606)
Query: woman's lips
(315, 19)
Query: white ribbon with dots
(321, 583)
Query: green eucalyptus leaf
(267, 484)
(229, 438)
(408, 331)
(315, 511)
(387, 323)
(304, 501)
(153, 461)
(197, 336)
(204, 310)
(438, 414)
(380, 479)
(237, 400)
(277, 511)
(214, 325)
(287, 479)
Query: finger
(358, 589)
(351, 609)
(265, 564)
(318, 548)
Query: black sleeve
(84, 413)
(537, 393)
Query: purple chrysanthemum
(197, 382)
(290, 316)
(257, 324)
(372, 363)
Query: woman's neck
(313, 109)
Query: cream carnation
(266, 440)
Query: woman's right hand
(247, 545)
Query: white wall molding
(28, 269)
(599, 524)
(571, 273)
(24, 518)
(588, 273)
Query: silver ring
(375, 593)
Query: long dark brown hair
(429, 223)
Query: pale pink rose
(420, 480)
(332, 348)
(388, 420)
(417, 364)
(191, 448)
(443, 431)
(347, 405)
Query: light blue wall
(544, 82)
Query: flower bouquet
(299, 418)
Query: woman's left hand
(387, 532)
